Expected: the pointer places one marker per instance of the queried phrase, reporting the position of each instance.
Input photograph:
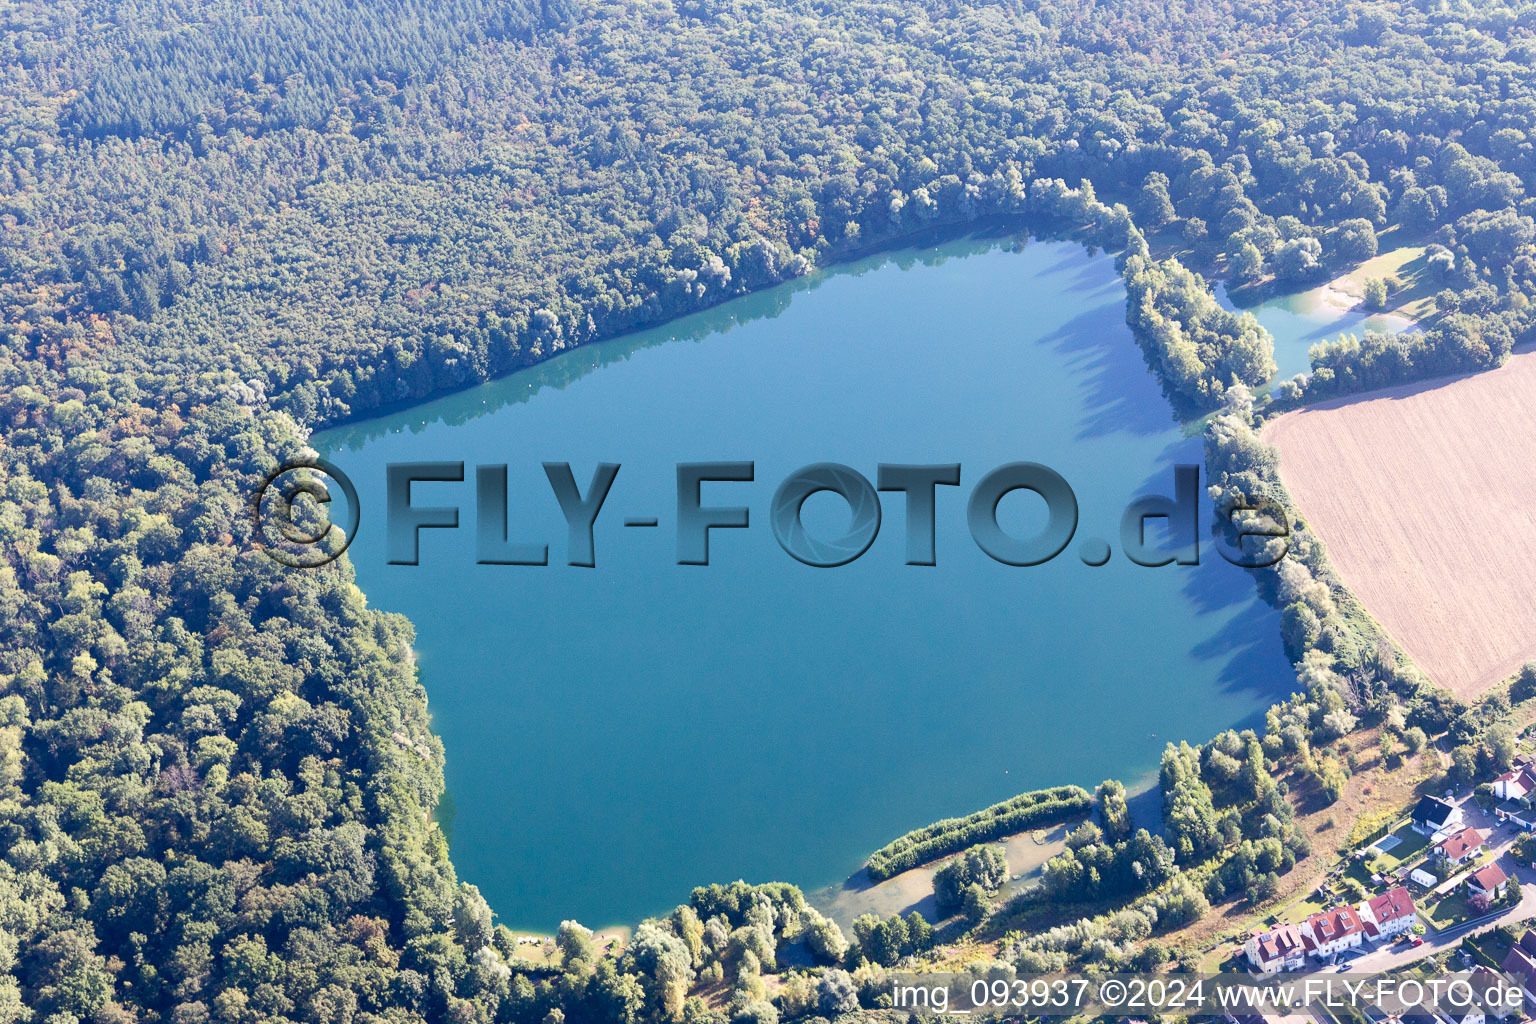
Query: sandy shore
(1333, 296)
(913, 890)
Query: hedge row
(1027, 810)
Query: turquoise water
(619, 734)
(1300, 320)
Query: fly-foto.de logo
(292, 524)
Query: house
(1487, 996)
(1388, 915)
(1332, 931)
(1475, 997)
(1279, 949)
(1489, 881)
(1432, 816)
(1516, 784)
(1462, 846)
(1521, 961)
(1469, 1014)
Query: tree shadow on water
(1248, 643)
(1120, 394)
(1215, 584)
(1247, 640)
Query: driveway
(1389, 957)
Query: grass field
(1301, 910)
(1409, 849)
(1493, 946)
(1451, 911)
(1414, 299)
(1422, 495)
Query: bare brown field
(1424, 495)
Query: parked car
(1418, 940)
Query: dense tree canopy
(351, 208)
(223, 224)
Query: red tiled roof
(1489, 878)
(1522, 776)
(1483, 979)
(1459, 845)
(1391, 906)
(1484, 984)
(1279, 942)
(1332, 925)
(1528, 941)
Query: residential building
(1519, 783)
(1471, 1014)
(1521, 961)
(1461, 847)
(1517, 815)
(1490, 881)
(1487, 989)
(1332, 931)
(1432, 816)
(1388, 914)
(1279, 949)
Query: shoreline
(1335, 299)
(991, 227)
(1032, 855)
(912, 890)
(1030, 859)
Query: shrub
(984, 866)
(1375, 293)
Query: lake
(617, 735)
(1299, 320)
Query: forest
(223, 225)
